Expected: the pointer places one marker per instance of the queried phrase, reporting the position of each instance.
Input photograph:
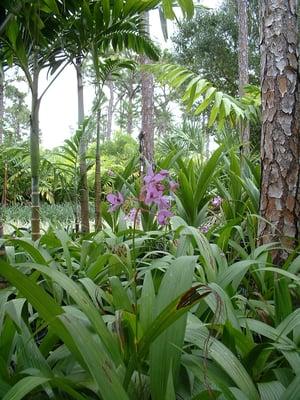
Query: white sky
(58, 112)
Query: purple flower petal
(174, 186)
(115, 200)
(163, 216)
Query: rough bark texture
(83, 185)
(243, 66)
(147, 128)
(110, 109)
(35, 155)
(280, 125)
(98, 222)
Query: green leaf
(271, 390)
(24, 387)
(165, 351)
(84, 302)
(106, 12)
(99, 364)
(120, 297)
(198, 335)
(12, 32)
(147, 301)
(292, 391)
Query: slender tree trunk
(147, 129)
(131, 92)
(35, 154)
(2, 249)
(130, 116)
(110, 108)
(280, 125)
(83, 185)
(1, 103)
(98, 222)
(243, 67)
(4, 192)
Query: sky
(58, 112)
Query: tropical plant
(199, 95)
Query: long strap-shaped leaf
(90, 353)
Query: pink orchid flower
(163, 216)
(115, 200)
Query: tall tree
(84, 191)
(147, 127)
(1, 102)
(279, 203)
(2, 249)
(29, 41)
(110, 108)
(242, 6)
(208, 44)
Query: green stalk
(35, 153)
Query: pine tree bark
(147, 128)
(243, 59)
(110, 109)
(83, 184)
(279, 202)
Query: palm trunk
(2, 248)
(243, 67)
(147, 129)
(280, 145)
(83, 185)
(35, 155)
(1, 102)
(110, 109)
(98, 222)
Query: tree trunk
(130, 116)
(4, 192)
(35, 155)
(243, 67)
(110, 109)
(147, 129)
(83, 185)
(2, 249)
(98, 222)
(279, 202)
(1, 103)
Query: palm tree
(92, 25)
(29, 40)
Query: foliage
(148, 316)
(199, 95)
(208, 44)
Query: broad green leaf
(24, 387)
(147, 302)
(165, 350)
(198, 335)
